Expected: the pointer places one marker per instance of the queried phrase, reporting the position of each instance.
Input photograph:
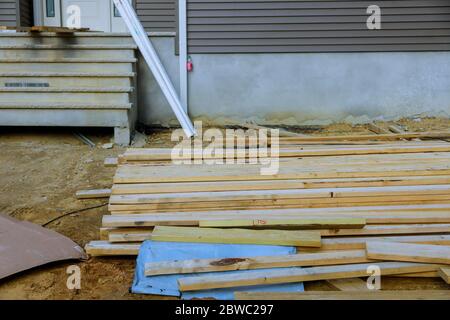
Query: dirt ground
(40, 171)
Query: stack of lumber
(344, 206)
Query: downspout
(182, 39)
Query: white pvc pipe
(151, 57)
(182, 44)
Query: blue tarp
(154, 251)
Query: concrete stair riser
(66, 53)
(70, 82)
(63, 97)
(65, 67)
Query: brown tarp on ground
(24, 245)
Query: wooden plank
(141, 234)
(149, 155)
(347, 295)
(111, 162)
(351, 243)
(282, 203)
(319, 223)
(396, 129)
(161, 187)
(104, 248)
(266, 277)
(193, 218)
(377, 129)
(444, 273)
(351, 284)
(119, 209)
(295, 194)
(239, 236)
(93, 194)
(248, 263)
(389, 136)
(408, 252)
(430, 274)
(167, 153)
(388, 230)
(57, 29)
(130, 235)
(199, 173)
(441, 207)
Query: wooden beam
(166, 154)
(193, 173)
(130, 235)
(396, 129)
(136, 209)
(251, 204)
(248, 263)
(410, 229)
(347, 295)
(239, 236)
(93, 194)
(377, 129)
(375, 217)
(147, 156)
(57, 29)
(339, 194)
(266, 277)
(351, 243)
(266, 223)
(351, 284)
(389, 136)
(104, 248)
(430, 274)
(111, 162)
(444, 273)
(213, 186)
(408, 252)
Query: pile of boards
(345, 202)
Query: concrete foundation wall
(153, 106)
(302, 89)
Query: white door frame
(40, 18)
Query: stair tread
(55, 89)
(67, 74)
(64, 106)
(65, 60)
(70, 46)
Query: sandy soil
(40, 171)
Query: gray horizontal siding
(157, 15)
(252, 26)
(8, 13)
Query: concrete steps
(85, 80)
